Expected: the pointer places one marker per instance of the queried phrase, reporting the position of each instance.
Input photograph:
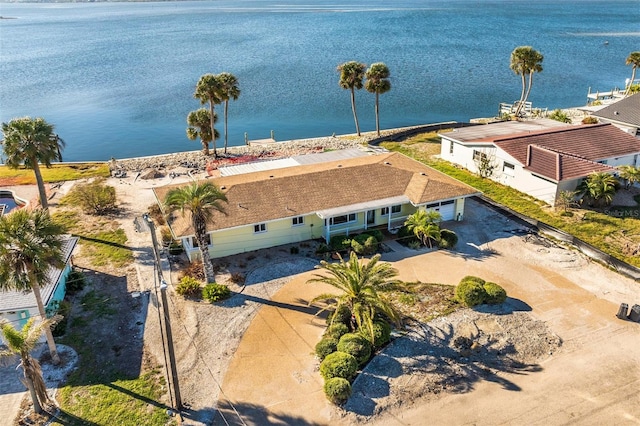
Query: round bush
(188, 286)
(381, 333)
(470, 293)
(495, 294)
(340, 315)
(356, 345)
(337, 390)
(377, 234)
(339, 364)
(448, 238)
(474, 279)
(326, 346)
(215, 292)
(357, 247)
(336, 330)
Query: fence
(586, 248)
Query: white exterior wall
(627, 160)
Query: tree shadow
(246, 413)
(436, 359)
(279, 270)
(240, 299)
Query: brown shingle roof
(625, 111)
(300, 190)
(557, 166)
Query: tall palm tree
(601, 187)
(199, 122)
(200, 200)
(31, 141)
(378, 82)
(21, 343)
(209, 89)
(362, 286)
(30, 244)
(351, 76)
(425, 226)
(230, 90)
(525, 60)
(634, 60)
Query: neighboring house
(624, 114)
(319, 200)
(17, 307)
(544, 161)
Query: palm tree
(209, 89)
(424, 225)
(601, 187)
(630, 174)
(22, 343)
(525, 60)
(230, 90)
(30, 244)
(361, 285)
(351, 75)
(199, 122)
(31, 141)
(634, 60)
(200, 200)
(378, 82)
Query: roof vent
(339, 165)
(270, 176)
(223, 187)
(387, 163)
(423, 174)
(616, 113)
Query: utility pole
(174, 388)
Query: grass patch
(107, 247)
(424, 301)
(613, 231)
(56, 173)
(98, 305)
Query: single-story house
(624, 114)
(17, 307)
(539, 158)
(267, 208)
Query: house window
(261, 227)
(207, 240)
(479, 155)
(433, 206)
(384, 211)
(451, 147)
(446, 203)
(508, 169)
(351, 217)
(396, 209)
(297, 221)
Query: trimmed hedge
(340, 242)
(381, 334)
(336, 330)
(341, 315)
(470, 293)
(495, 294)
(474, 279)
(356, 345)
(339, 364)
(326, 346)
(337, 390)
(215, 292)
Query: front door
(371, 217)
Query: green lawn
(56, 173)
(616, 233)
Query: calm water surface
(117, 79)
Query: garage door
(447, 209)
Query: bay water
(117, 79)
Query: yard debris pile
(450, 354)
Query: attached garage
(446, 209)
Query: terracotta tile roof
(17, 300)
(294, 191)
(625, 111)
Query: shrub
(194, 269)
(381, 334)
(495, 293)
(237, 278)
(339, 364)
(560, 116)
(323, 248)
(474, 279)
(448, 238)
(414, 244)
(590, 120)
(370, 245)
(357, 247)
(337, 390)
(156, 214)
(377, 234)
(326, 346)
(341, 315)
(165, 234)
(188, 287)
(336, 330)
(75, 282)
(356, 345)
(470, 293)
(215, 292)
(340, 242)
(94, 197)
(62, 308)
(294, 250)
